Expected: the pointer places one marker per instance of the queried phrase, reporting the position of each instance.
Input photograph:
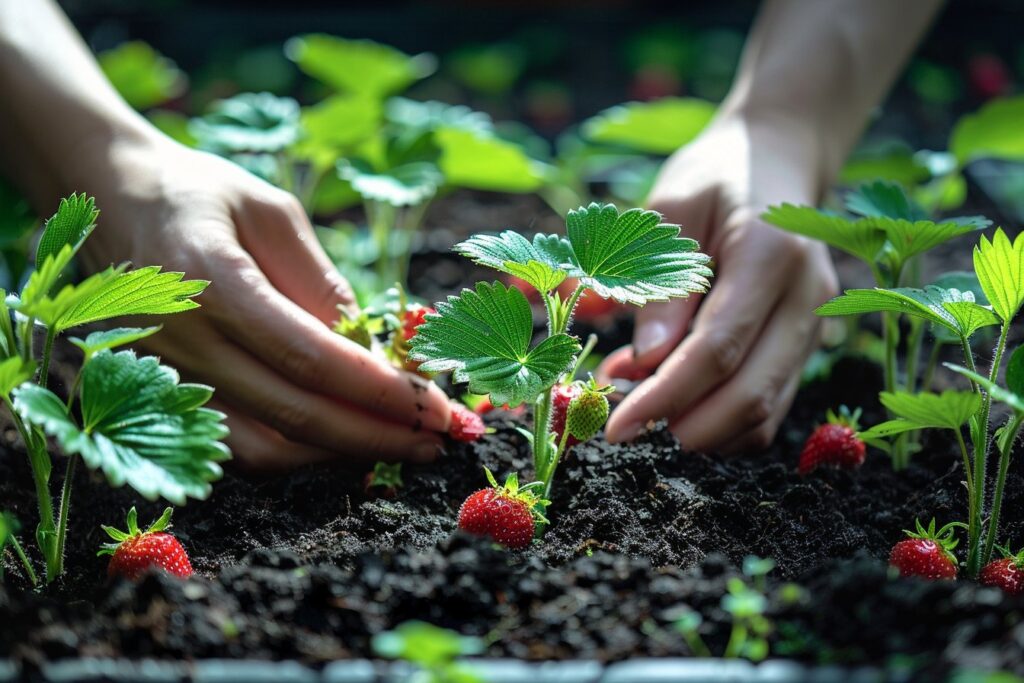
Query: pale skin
(724, 368)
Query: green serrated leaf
(139, 426)
(337, 123)
(633, 257)
(358, 66)
(862, 238)
(948, 410)
(542, 262)
(249, 122)
(994, 132)
(110, 339)
(481, 161)
(141, 75)
(484, 337)
(145, 291)
(1009, 397)
(74, 221)
(950, 308)
(883, 199)
(13, 372)
(909, 238)
(406, 185)
(658, 127)
(48, 309)
(999, 265)
(432, 115)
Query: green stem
(65, 507)
(736, 640)
(20, 552)
(1013, 427)
(914, 353)
(929, 368)
(587, 350)
(44, 369)
(39, 459)
(967, 464)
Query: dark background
(579, 57)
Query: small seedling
(484, 335)
(384, 480)
(126, 416)
(435, 651)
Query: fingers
(659, 329)
(298, 415)
(762, 436)
(258, 448)
(752, 277)
(251, 313)
(275, 230)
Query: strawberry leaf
(999, 265)
(37, 302)
(110, 339)
(542, 263)
(658, 127)
(74, 221)
(13, 372)
(948, 410)
(862, 238)
(249, 122)
(484, 336)
(909, 238)
(358, 66)
(633, 257)
(139, 426)
(1015, 371)
(1011, 397)
(952, 309)
(481, 161)
(883, 199)
(409, 184)
(993, 132)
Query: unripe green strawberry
(588, 412)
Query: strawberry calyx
(120, 537)
(1017, 559)
(386, 475)
(943, 537)
(525, 494)
(844, 418)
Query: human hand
(294, 391)
(727, 365)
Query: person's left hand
(727, 365)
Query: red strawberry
(485, 406)
(465, 425)
(834, 443)
(926, 553)
(507, 514)
(414, 316)
(135, 552)
(1006, 573)
(561, 396)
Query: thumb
(279, 237)
(659, 328)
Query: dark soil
(305, 566)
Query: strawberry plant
(125, 416)
(888, 231)
(484, 334)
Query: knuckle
(289, 416)
(759, 407)
(725, 351)
(300, 361)
(762, 437)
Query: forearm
(825, 65)
(59, 113)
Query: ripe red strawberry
(134, 552)
(926, 553)
(414, 316)
(561, 396)
(507, 514)
(484, 406)
(465, 425)
(588, 412)
(1006, 573)
(834, 443)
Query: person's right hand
(294, 391)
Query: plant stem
(44, 369)
(974, 550)
(967, 463)
(20, 552)
(929, 368)
(65, 506)
(914, 353)
(39, 460)
(1009, 438)
(736, 639)
(587, 350)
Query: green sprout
(435, 651)
(126, 416)
(887, 232)
(484, 335)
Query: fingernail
(649, 336)
(629, 432)
(428, 452)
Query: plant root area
(306, 566)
